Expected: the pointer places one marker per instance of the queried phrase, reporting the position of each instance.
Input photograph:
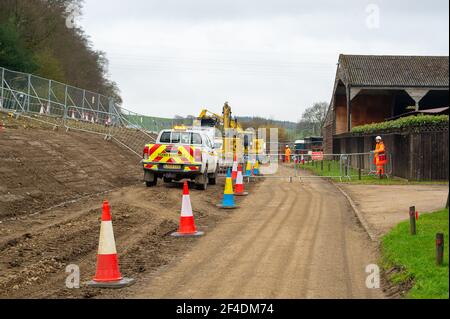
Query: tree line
(36, 38)
(310, 124)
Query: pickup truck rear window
(181, 138)
(165, 137)
(185, 138)
(175, 137)
(196, 139)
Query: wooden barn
(371, 89)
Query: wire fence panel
(319, 165)
(62, 105)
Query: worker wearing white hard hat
(287, 154)
(380, 156)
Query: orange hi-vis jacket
(288, 155)
(380, 154)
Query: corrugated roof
(394, 71)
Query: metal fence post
(29, 92)
(84, 98)
(49, 91)
(65, 105)
(3, 88)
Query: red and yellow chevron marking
(170, 154)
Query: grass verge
(416, 257)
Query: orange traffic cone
(239, 189)
(187, 223)
(108, 274)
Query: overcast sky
(270, 58)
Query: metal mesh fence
(62, 105)
(334, 166)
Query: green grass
(331, 168)
(416, 255)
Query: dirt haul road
(288, 240)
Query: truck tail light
(146, 155)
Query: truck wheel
(152, 184)
(202, 181)
(150, 179)
(213, 177)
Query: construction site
(101, 202)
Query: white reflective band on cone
(240, 179)
(107, 244)
(186, 207)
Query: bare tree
(314, 117)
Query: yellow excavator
(235, 139)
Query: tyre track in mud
(306, 231)
(240, 226)
(273, 248)
(248, 245)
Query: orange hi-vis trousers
(287, 157)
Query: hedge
(411, 123)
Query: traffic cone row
(108, 273)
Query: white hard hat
(378, 138)
(287, 145)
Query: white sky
(269, 58)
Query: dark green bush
(413, 123)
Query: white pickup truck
(181, 154)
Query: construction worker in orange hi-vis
(380, 157)
(287, 154)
